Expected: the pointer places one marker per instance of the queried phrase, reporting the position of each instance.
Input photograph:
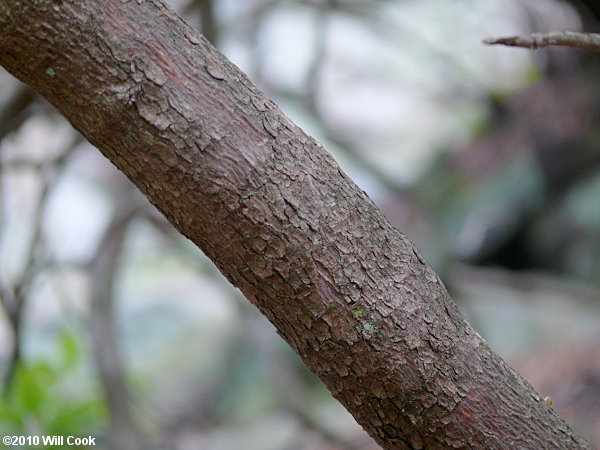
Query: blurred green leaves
(53, 398)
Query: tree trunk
(283, 223)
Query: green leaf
(31, 386)
(69, 349)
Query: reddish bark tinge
(281, 221)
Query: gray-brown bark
(274, 212)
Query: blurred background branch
(106, 343)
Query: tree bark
(283, 223)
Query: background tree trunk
(272, 209)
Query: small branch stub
(582, 41)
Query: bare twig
(582, 41)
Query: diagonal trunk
(274, 212)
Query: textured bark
(274, 212)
